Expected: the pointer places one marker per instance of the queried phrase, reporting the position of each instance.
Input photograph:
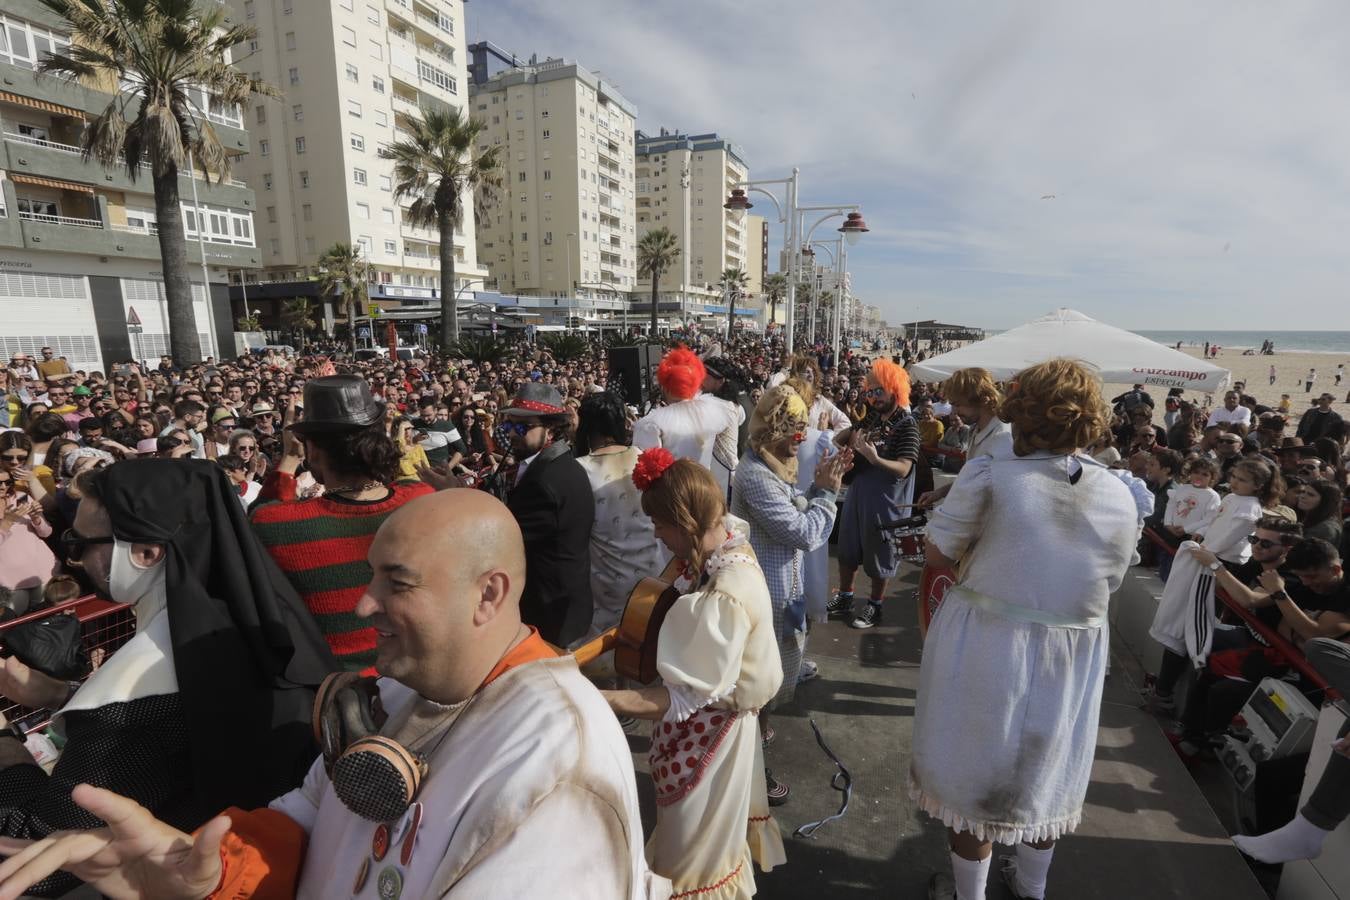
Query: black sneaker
(778, 792)
(870, 615)
(1159, 704)
(841, 604)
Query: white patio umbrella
(1119, 356)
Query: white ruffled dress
(718, 657)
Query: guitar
(633, 640)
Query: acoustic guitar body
(635, 642)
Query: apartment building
(682, 182)
(78, 241)
(354, 73)
(563, 224)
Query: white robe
(532, 786)
(692, 429)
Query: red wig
(681, 373)
(893, 379)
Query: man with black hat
(210, 702)
(550, 496)
(321, 543)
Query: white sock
(1032, 867)
(1300, 839)
(970, 876)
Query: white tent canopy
(1119, 356)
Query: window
(290, 40)
(387, 215)
(307, 210)
(363, 210)
(544, 114)
(353, 73)
(286, 7)
(377, 83)
(376, 50)
(267, 181)
(546, 134)
(298, 113)
(223, 225)
(274, 245)
(357, 141)
(304, 179)
(381, 118)
(348, 36)
(309, 241)
(295, 75)
(272, 214)
(372, 15)
(345, 4)
(253, 46)
(359, 176)
(391, 247)
(520, 114)
(427, 72)
(520, 177)
(249, 11)
(300, 145)
(264, 148)
(496, 120)
(548, 175)
(524, 236)
(353, 108)
(386, 183)
(262, 115)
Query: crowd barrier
(104, 626)
(1281, 645)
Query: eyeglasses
(875, 392)
(14, 457)
(76, 543)
(245, 448)
(1265, 544)
(180, 443)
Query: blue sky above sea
(1015, 158)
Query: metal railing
(150, 229)
(60, 220)
(78, 151)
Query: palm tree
(342, 271)
(657, 251)
(775, 286)
(298, 316)
(435, 168)
(733, 282)
(161, 54)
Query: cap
(81, 391)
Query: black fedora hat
(338, 403)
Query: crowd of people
(384, 562)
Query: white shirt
(525, 464)
(1225, 416)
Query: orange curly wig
(893, 379)
(681, 373)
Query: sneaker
(941, 887)
(870, 615)
(767, 735)
(778, 792)
(840, 604)
(627, 723)
(1008, 868)
(808, 672)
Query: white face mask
(141, 586)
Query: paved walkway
(1147, 830)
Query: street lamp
(739, 202)
(853, 228)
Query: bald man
(528, 777)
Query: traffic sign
(363, 332)
(134, 329)
(132, 318)
(374, 311)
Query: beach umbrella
(1118, 356)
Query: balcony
(70, 221)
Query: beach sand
(1290, 369)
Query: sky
(1156, 165)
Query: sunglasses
(245, 448)
(75, 543)
(1265, 544)
(6, 482)
(14, 457)
(182, 443)
(875, 392)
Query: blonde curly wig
(1056, 406)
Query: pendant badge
(379, 845)
(390, 884)
(409, 839)
(361, 875)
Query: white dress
(1011, 681)
(624, 548)
(718, 657)
(690, 429)
(816, 563)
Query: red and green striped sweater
(321, 544)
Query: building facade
(354, 74)
(563, 224)
(78, 242)
(682, 182)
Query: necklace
(354, 488)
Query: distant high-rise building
(563, 222)
(756, 252)
(682, 182)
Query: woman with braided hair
(1010, 687)
(718, 662)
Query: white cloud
(1196, 152)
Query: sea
(1285, 341)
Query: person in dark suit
(550, 496)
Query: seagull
(1047, 196)
(1226, 246)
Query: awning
(39, 181)
(34, 103)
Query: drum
(933, 586)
